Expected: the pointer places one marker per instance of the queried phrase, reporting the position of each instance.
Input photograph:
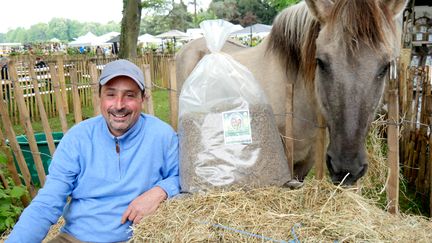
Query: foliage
(178, 17)
(225, 9)
(281, 4)
(60, 28)
(10, 205)
(244, 12)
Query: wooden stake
(320, 148)
(42, 112)
(58, 97)
(62, 81)
(94, 78)
(148, 84)
(173, 94)
(26, 123)
(75, 96)
(289, 134)
(393, 153)
(11, 166)
(10, 134)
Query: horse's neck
(262, 64)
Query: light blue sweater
(100, 181)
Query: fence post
(58, 97)
(10, 164)
(393, 143)
(289, 135)
(42, 112)
(320, 147)
(75, 95)
(26, 123)
(95, 88)
(148, 84)
(173, 93)
(62, 81)
(429, 110)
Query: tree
(57, 28)
(130, 25)
(225, 9)
(38, 32)
(281, 4)
(255, 11)
(244, 12)
(130, 28)
(178, 17)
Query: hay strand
(317, 212)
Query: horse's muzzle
(346, 177)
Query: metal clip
(393, 70)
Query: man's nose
(119, 103)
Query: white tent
(147, 38)
(173, 34)
(260, 30)
(88, 39)
(54, 40)
(108, 36)
(194, 33)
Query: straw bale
(317, 212)
(54, 230)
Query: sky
(25, 13)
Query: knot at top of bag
(216, 32)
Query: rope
(39, 153)
(163, 88)
(296, 240)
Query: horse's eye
(383, 71)
(322, 65)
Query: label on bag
(237, 127)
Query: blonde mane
(292, 38)
(295, 30)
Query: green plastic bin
(43, 150)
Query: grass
(161, 107)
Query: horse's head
(355, 46)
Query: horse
(337, 54)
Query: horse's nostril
(363, 171)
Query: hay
(317, 212)
(54, 230)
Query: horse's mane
(295, 30)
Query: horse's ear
(395, 6)
(321, 9)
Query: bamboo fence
(61, 66)
(66, 85)
(69, 84)
(415, 137)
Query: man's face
(120, 103)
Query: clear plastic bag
(228, 135)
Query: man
(116, 168)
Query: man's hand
(144, 205)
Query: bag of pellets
(227, 130)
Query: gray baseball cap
(122, 67)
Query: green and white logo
(237, 128)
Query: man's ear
(320, 9)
